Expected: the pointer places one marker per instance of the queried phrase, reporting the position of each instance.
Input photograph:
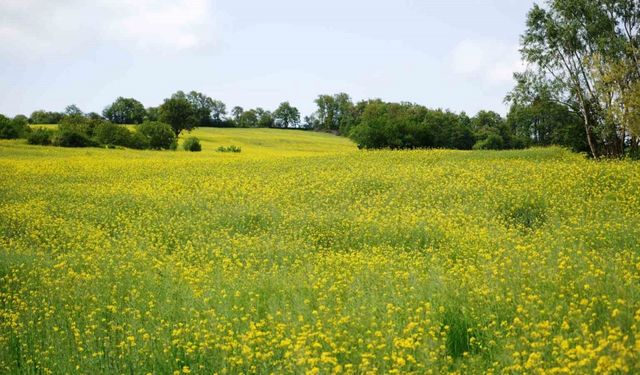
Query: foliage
(546, 123)
(492, 141)
(72, 137)
(138, 141)
(40, 136)
(335, 113)
(179, 113)
(231, 148)
(406, 125)
(107, 133)
(44, 117)
(286, 116)
(152, 114)
(125, 111)
(73, 110)
(265, 118)
(192, 144)
(12, 128)
(160, 135)
(584, 55)
(79, 124)
(208, 112)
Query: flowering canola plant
(345, 261)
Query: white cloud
(489, 61)
(54, 27)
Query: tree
(179, 114)
(265, 118)
(72, 110)
(12, 128)
(585, 54)
(334, 113)
(286, 116)
(160, 135)
(125, 111)
(545, 122)
(392, 125)
(208, 112)
(248, 119)
(489, 124)
(152, 114)
(236, 112)
(44, 117)
(218, 111)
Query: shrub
(12, 129)
(492, 142)
(111, 134)
(72, 138)
(160, 135)
(79, 124)
(40, 136)
(192, 144)
(231, 148)
(138, 141)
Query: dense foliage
(13, 128)
(125, 111)
(584, 55)
(40, 136)
(179, 113)
(160, 135)
(192, 144)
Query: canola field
(304, 255)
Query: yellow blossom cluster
(121, 261)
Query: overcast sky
(455, 54)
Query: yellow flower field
(302, 254)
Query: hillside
(304, 254)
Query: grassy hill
(303, 254)
(267, 142)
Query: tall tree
(575, 48)
(209, 112)
(286, 116)
(265, 118)
(125, 111)
(72, 110)
(334, 112)
(178, 113)
(237, 112)
(247, 119)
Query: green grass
(303, 254)
(265, 142)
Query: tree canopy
(125, 111)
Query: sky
(451, 54)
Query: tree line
(370, 123)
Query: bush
(12, 129)
(160, 135)
(192, 144)
(111, 134)
(138, 141)
(40, 136)
(72, 138)
(231, 148)
(79, 124)
(492, 142)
